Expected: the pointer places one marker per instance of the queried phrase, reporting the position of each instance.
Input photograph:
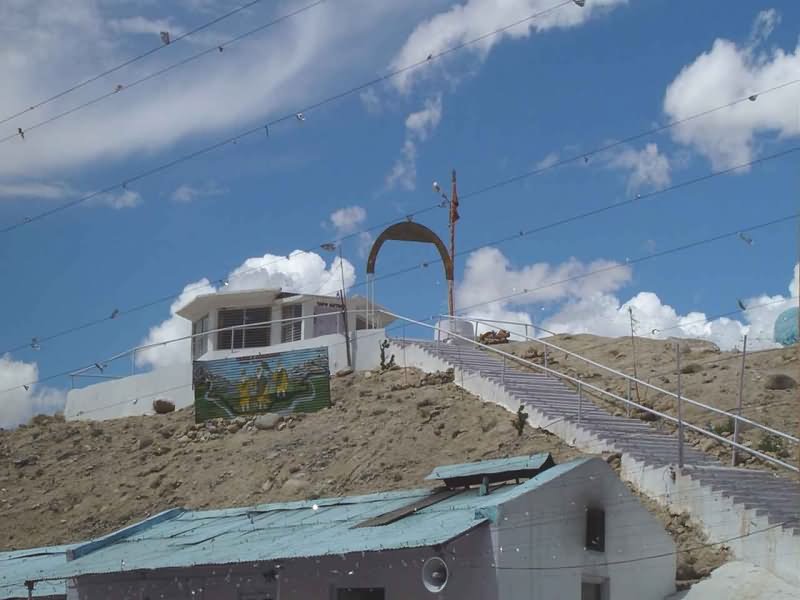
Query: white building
(510, 529)
(226, 324)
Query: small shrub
(386, 364)
(519, 421)
(724, 428)
(773, 444)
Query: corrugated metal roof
(489, 467)
(296, 530)
(19, 566)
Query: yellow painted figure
(281, 378)
(263, 399)
(245, 386)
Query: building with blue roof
(511, 528)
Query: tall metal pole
(344, 310)
(453, 217)
(738, 404)
(680, 407)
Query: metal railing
(583, 386)
(132, 352)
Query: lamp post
(332, 247)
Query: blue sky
(567, 86)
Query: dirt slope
(63, 482)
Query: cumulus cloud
(488, 275)
(605, 314)
(730, 71)
(19, 404)
(34, 190)
(419, 126)
(185, 193)
(299, 272)
(465, 22)
(117, 200)
(646, 168)
(348, 219)
(46, 51)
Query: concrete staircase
(755, 513)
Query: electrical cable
(683, 247)
(130, 61)
(287, 117)
(411, 215)
(124, 87)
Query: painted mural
(282, 383)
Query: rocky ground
(708, 375)
(69, 481)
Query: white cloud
(764, 24)
(605, 314)
(47, 49)
(488, 275)
(464, 22)
(19, 405)
(647, 168)
(371, 101)
(299, 272)
(186, 193)
(117, 200)
(34, 190)
(171, 328)
(348, 219)
(142, 25)
(548, 161)
(727, 72)
(419, 126)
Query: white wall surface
(131, 395)
(134, 395)
(539, 541)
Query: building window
(291, 330)
(251, 337)
(596, 529)
(360, 594)
(199, 342)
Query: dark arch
(408, 231)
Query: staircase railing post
(580, 401)
(545, 360)
(680, 406)
(503, 371)
(738, 404)
(630, 398)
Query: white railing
(583, 385)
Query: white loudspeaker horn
(435, 574)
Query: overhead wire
(681, 248)
(438, 205)
(124, 87)
(130, 61)
(260, 129)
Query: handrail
(209, 332)
(656, 388)
(763, 456)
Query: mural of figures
(282, 383)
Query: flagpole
(452, 219)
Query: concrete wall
(399, 572)
(540, 541)
(134, 395)
(131, 395)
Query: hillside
(66, 481)
(708, 375)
